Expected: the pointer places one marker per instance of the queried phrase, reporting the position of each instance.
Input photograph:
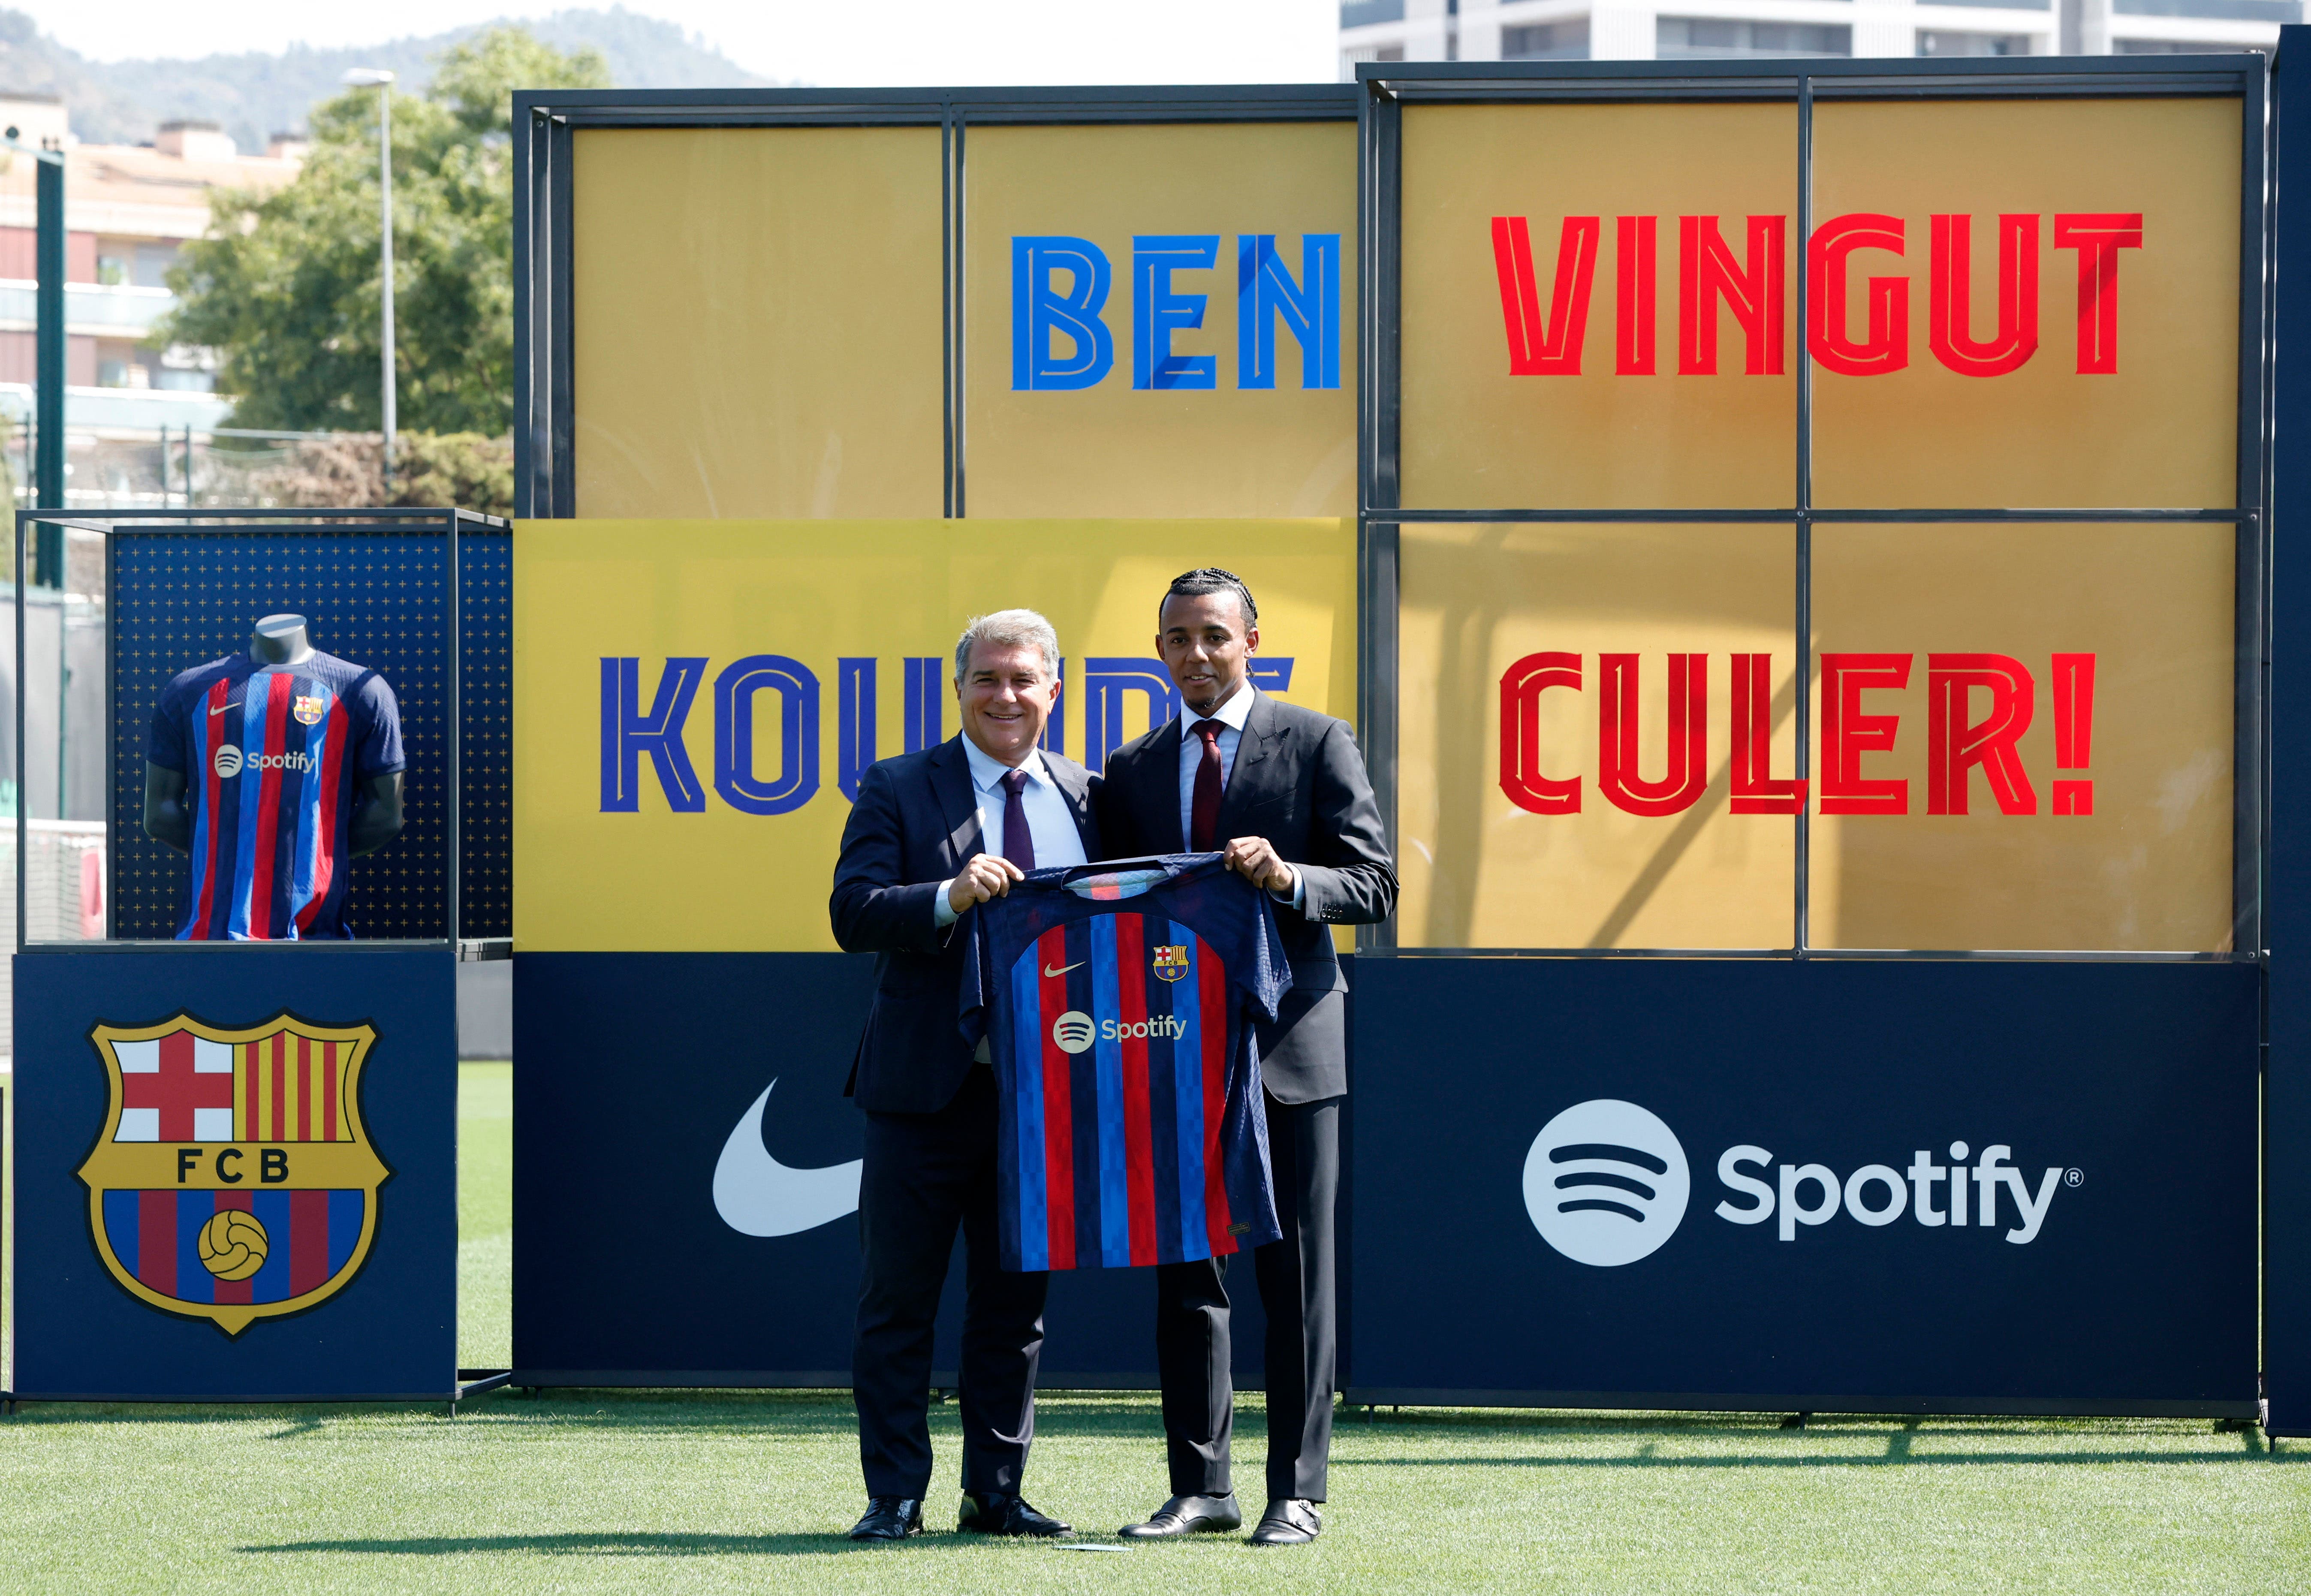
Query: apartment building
(1719, 29)
(128, 209)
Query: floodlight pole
(380, 79)
(385, 247)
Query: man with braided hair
(1281, 791)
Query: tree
(285, 287)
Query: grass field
(583, 1491)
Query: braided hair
(1209, 578)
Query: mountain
(253, 95)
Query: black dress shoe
(889, 1518)
(1290, 1521)
(990, 1513)
(1188, 1515)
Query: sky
(837, 43)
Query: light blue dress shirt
(1051, 823)
(1231, 716)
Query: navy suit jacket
(1299, 781)
(914, 825)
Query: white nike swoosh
(1050, 974)
(219, 708)
(756, 1195)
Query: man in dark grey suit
(916, 858)
(1282, 790)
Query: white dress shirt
(1230, 715)
(1051, 823)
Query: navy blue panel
(390, 1332)
(485, 750)
(636, 1068)
(377, 599)
(2287, 1096)
(2137, 1293)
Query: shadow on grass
(637, 1543)
(632, 1411)
(2250, 1448)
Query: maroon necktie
(1018, 842)
(1204, 813)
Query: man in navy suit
(932, 835)
(1282, 791)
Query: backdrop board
(1813, 518)
(236, 1172)
(1872, 1187)
(697, 701)
(811, 303)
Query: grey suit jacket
(1298, 780)
(915, 824)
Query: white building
(1718, 30)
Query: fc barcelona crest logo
(308, 710)
(1171, 963)
(233, 1180)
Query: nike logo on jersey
(1050, 974)
(219, 708)
(756, 1195)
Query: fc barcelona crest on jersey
(233, 1179)
(1171, 963)
(309, 709)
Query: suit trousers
(1296, 1279)
(925, 1174)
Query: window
(2179, 47)
(1547, 42)
(1690, 39)
(152, 262)
(2245, 11)
(1938, 43)
(1364, 14)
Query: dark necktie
(1204, 813)
(1018, 842)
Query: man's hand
(986, 876)
(1253, 858)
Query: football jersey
(272, 756)
(1118, 1006)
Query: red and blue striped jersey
(272, 756)
(1117, 1008)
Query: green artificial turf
(485, 1216)
(582, 1491)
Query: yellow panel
(2161, 427)
(1474, 435)
(2151, 867)
(1115, 449)
(758, 321)
(720, 879)
(1481, 871)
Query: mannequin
(377, 817)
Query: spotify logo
(229, 761)
(1605, 1182)
(1074, 1031)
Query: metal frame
(544, 402)
(112, 523)
(1385, 88)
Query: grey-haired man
(931, 835)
